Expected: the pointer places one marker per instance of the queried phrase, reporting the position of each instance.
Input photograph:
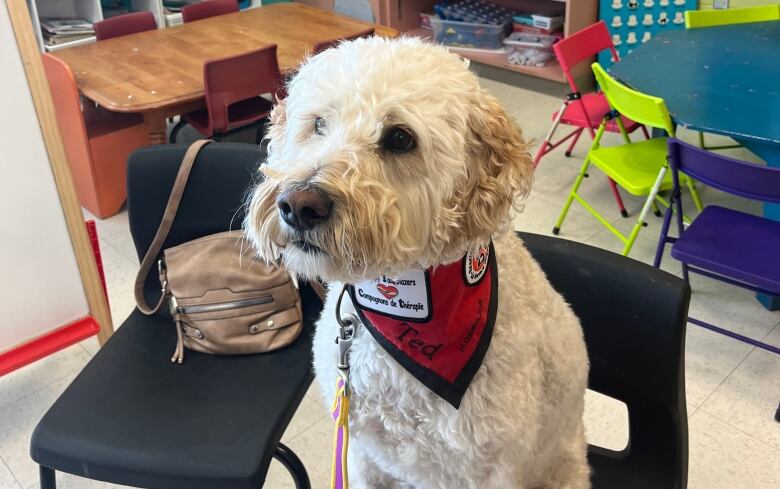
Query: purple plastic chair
(721, 243)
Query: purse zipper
(222, 306)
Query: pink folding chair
(122, 25)
(332, 43)
(584, 111)
(208, 8)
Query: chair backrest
(236, 78)
(645, 109)
(208, 8)
(709, 18)
(581, 46)
(122, 25)
(151, 172)
(634, 318)
(67, 106)
(331, 43)
(733, 176)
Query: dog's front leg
(364, 473)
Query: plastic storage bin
(529, 49)
(468, 35)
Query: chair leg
(644, 131)
(645, 209)
(659, 252)
(48, 478)
(175, 131)
(618, 199)
(574, 189)
(656, 210)
(546, 144)
(695, 195)
(573, 142)
(293, 464)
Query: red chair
(122, 25)
(208, 8)
(97, 142)
(332, 43)
(584, 111)
(232, 88)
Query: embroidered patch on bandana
(436, 323)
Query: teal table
(719, 80)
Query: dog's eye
(398, 140)
(319, 126)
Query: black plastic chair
(133, 418)
(634, 318)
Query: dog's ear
(276, 130)
(500, 168)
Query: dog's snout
(304, 209)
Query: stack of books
(539, 17)
(59, 30)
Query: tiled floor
(733, 389)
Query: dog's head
(385, 156)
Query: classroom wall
(41, 288)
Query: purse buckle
(173, 305)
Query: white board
(40, 286)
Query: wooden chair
(97, 142)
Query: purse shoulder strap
(165, 226)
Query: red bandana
(436, 323)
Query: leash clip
(348, 323)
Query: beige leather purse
(222, 299)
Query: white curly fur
(519, 425)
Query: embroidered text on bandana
(436, 323)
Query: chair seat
(597, 106)
(136, 432)
(634, 166)
(733, 244)
(240, 114)
(100, 121)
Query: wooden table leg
(156, 127)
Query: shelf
(69, 44)
(552, 71)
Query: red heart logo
(387, 290)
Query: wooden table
(159, 73)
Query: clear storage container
(468, 35)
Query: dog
(387, 156)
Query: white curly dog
(387, 157)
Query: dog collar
(436, 323)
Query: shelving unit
(405, 16)
(92, 11)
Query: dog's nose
(304, 209)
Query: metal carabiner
(348, 324)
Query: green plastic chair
(695, 19)
(710, 18)
(639, 167)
